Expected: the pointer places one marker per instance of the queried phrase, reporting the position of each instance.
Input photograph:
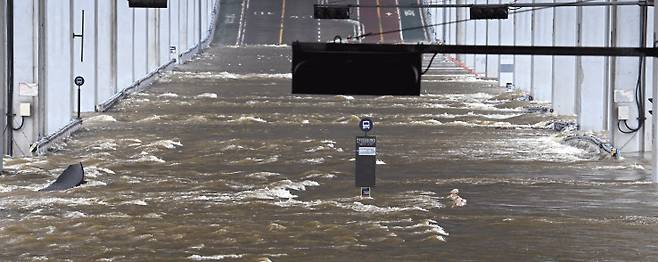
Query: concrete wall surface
(584, 87)
(116, 48)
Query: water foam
(145, 157)
(277, 190)
(153, 118)
(207, 95)
(100, 119)
(227, 75)
(364, 208)
(263, 175)
(248, 119)
(318, 160)
(166, 144)
(214, 257)
(168, 95)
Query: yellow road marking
(283, 14)
(379, 16)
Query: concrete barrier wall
(580, 86)
(565, 26)
(626, 33)
(542, 66)
(523, 37)
(121, 47)
(506, 74)
(592, 72)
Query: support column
(506, 37)
(460, 28)
(523, 37)
(141, 43)
(470, 35)
(654, 107)
(153, 40)
(58, 89)
(480, 39)
(542, 66)
(105, 34)
(592, 80)
(564, 67)
(84, 62)
(493, 38)
(649, 80)
(26, 71)
(626, 27)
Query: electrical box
(25, 109)
(623, 113)
(624, 96)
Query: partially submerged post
(366, 158)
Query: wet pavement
(218, 161)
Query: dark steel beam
(513, 5)
(489, 50)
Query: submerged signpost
(366, 158)
(79, 81)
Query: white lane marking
(319, 25)
(237, 41)
(362, 27)
(319, 32)
(244, 27)
(397, 2)
(283, 19)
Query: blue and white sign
(366, 124)
(367, 151)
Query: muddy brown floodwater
(218, 161)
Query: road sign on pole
(79, 81)
(366, 124)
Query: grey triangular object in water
(73, 176)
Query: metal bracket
(82, 37)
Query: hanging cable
(21, 126)
(639, 103)
(430, 64)
(639, 94)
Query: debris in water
(457, 201)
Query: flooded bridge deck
(218, 161)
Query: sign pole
(79, 81)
